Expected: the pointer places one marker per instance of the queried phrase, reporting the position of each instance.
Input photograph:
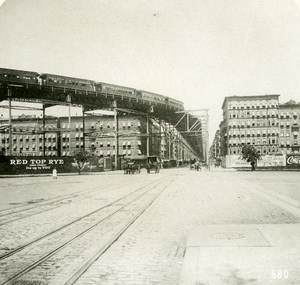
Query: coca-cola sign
(292, 160)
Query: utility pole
(9, 118)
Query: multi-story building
(250, 120)
(289, 116)
(59, 138)
(272, 128)
(215, 149)
(29, 138)
(99, 136)
(33, 136)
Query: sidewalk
(118, 172)
(243, 254)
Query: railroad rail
(88, 226)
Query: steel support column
(159, 140)
(187, 122)
(44, 129)
(116, 136)
(148, 138)
(69, 122)
(83, 129)
(169, 132)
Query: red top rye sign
(38, 165)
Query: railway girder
(50, 96)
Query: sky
(197, 51)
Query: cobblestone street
(128, 229)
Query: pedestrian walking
(54, 173)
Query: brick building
(251, 120)
(272, 128)
(95, 134)
(289, 115)
(59, 139)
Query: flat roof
(249, 97)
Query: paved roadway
(130, 229)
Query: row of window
(257, 142)
(47, 153)
(118, 89)
(24, 76)
(264, 134)
(263, 151)
(263, 114)
(263, 124)
(34, 128)
(288, 124)
(264, 142)
(258, 132)
(27, 140)
(101, 144)
(253, 104)
(33, 148)
(108, 143)
(69, 81)
(67, 126)
(288, 150)
(248, 124)
(258, 114)
(108, 152)
(77, 127)
(253, 135)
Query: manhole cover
(228, 235)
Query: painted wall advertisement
(271, 161)
(36, 165)
(235, 161)
(293, 161)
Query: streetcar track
(33, 265)
(55, 207)
(115, 237)
(14, 210)
(21, 247)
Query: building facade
(272, 128)
(215, 149)
(289, 115)
(250, 120)
(33, 136)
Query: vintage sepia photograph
(149, 142)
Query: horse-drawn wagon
(153, 163)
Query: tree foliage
(81, 157)
(250, 154)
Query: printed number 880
(280, 274)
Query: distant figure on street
(54, 173)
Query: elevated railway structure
(50, 90)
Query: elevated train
(21, 77)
